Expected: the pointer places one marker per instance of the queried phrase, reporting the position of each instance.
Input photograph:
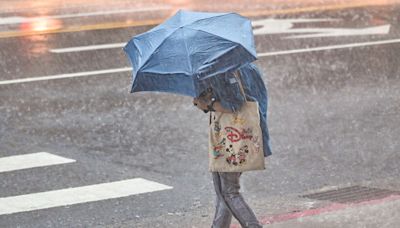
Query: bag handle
(237, 76)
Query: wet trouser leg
(230, 202)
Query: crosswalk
(26, 161)
(66, 196)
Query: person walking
(222, 94)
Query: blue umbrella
(188, 47)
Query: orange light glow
(41, 24)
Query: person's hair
(204, 93)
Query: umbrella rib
(217, 35)
(226, 14)
(158, 46)
(187, 51)
(206, 18)
(227, 39)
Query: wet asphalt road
(333, 120)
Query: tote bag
(235, 139)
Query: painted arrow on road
(282, 26)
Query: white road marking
(125, 69)
(280, 26)
(77, 195)
(20, 20)
(88, 48)
(262, 27)
(26, 161)
(11, 20)
(268, 27)
(376, 30)
(284, 26)
(60, 76)
(340, 46)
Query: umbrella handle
(237, 76)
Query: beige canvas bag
(235, 139)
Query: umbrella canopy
(188, 47)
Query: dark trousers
(230, 202)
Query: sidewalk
(25, 17)
(379, 215)
(382, 213)
(36, 8)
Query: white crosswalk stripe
(76, 195)
(71, 75)
(67, 196)
(26, 161)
